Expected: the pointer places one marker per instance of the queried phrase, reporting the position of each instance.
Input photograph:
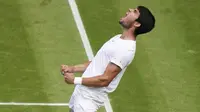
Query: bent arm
(103, 80)
(74, 69)
(80, 67)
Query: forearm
(97, 81)
(80, 67)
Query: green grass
(38, 36)
(164, 75)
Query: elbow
(104, 84)
(104, 81)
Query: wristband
(78, 80)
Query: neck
(128, 35)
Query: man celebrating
(103, 74)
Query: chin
(124, 25)
(120, 22)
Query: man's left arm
(112, 70)
(119, 60)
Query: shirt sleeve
(122, 58)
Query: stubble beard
(124, 25)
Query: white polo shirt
(116, 50)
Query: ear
(136, 24)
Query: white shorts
(86, 100)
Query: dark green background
(37, 36)
(164, 76)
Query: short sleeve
(122, 58)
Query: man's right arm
(80, 67)
(76, 68)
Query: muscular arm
(103, 80)
(80, 67)
(74, 69)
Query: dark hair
(146, 19)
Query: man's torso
(103, 58)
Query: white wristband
(78, 80)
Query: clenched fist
(66, 69)
(69, 78)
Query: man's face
(129, 19)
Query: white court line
(32, 104)
(90, 56)
(81, 29)
(85, 40)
